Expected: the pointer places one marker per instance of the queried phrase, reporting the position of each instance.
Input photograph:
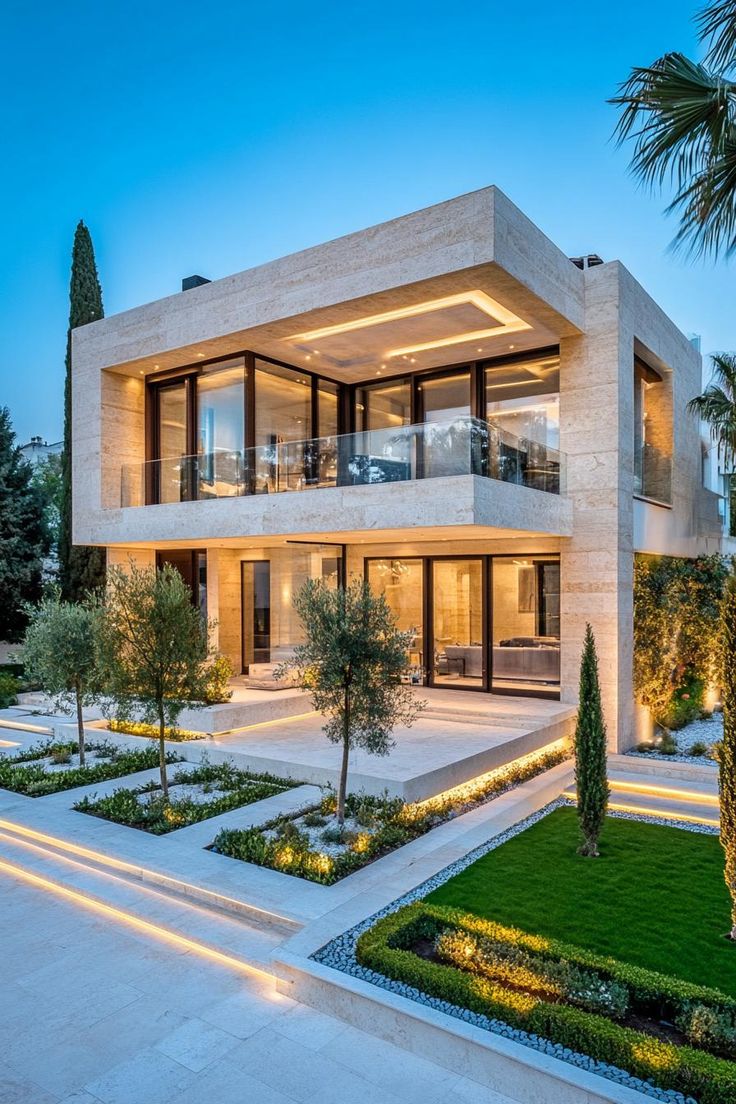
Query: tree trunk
(162, 751)
(343, 784)
(80, 727)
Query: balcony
(463, 446)
(652, 474)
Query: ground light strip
(46, 730)
(658, 814)
(666, 791)
(137, 871)
(134, 921)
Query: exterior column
(596, 435)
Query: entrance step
(207, 931)
(667, 799)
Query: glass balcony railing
(652, 473)
(463, 446)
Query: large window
(220, 429)
(401, 582)
(526, 623)
(523, 399)
(652, 433)
(383, 405)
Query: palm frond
(717, 406)
(717, 27)
(708, 207)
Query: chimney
(589, 261)
(190, 282)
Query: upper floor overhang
(471, 276)
(460, 506)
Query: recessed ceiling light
(156, 366)
(479, 350)
(512, 346)
(200, 354)
(307, 357)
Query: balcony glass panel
(461, 446)
(283, 418)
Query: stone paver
(94, 1013)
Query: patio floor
(457, 737)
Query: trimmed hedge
(693, 1072)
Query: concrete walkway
(94, 1013)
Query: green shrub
(667, 744)
(22, 773)
(687, 702)
(392, 822)
(384, 948)
(159, 815)
(698, 748)
(9, 689)
(219, 674)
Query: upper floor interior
(456, 342)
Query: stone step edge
(133, 872)
(99, 903)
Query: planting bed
(618, 965)
(313, 846)
(50, 767)
(195, 794)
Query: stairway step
(192, 926)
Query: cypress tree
(24, 538)
(80, 568)
(727, 756)
(590, 751)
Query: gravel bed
(339, 954)
(705, 731)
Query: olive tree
(352, 662)
(154, 648)
(60, 652)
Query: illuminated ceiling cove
(453, 320)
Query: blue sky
(209, 137)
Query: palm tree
(681, 115)
(717, 407)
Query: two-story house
(446, 404)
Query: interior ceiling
(452, 319)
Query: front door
(457, 607)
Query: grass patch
(655, 898)
(24, 774)
(231, 788)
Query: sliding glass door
(526, 624)
(458, 616)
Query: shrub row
(139, 728)
(159, 816)
(392, 822)
(21, 774)
(384, 948)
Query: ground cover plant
(52, 766)
(656, 897)
(657, 1027)
(317, 847)
(140, 728)
(195, 794)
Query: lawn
(656, 896)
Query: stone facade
(599, 318)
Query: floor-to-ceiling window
(171, 471)
(522, 402)
(526, 623)
(477, 622)
(444, 408)
(458, 617)
(220, 400)
(401, 582)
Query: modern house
(446, 404)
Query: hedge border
(687, 1070)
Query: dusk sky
(211, 137)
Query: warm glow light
(138, 871)
(661, 814)
(133, 921)
(666, 791)
(506, 320)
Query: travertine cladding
(600, 317)
(455, 501)
(597, 434)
